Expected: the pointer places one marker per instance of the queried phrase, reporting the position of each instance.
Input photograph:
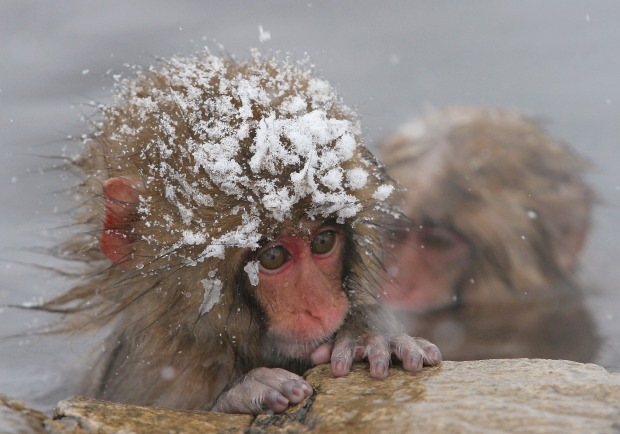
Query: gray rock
(15, 417)
(519, 395)
(99, 416)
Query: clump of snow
(357, 178)
(263, 35)
(264, 134)
(193, 238)
(293, 105)
(252, 269)
(213, 293)
(383, 192)
(333, 178)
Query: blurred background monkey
(500, 214)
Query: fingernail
(435, 356)
(380, 368)
(297, 390)
(415, 361)
(339, 366)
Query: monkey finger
(414, 353)
(264, 390)
(292, 386)
(322, 354)
(251, 397)
(342, 355)
(432, 355)
(270, 400)
(378, 354)
(406, 350)
(359, 353)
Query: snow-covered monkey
(239, 232)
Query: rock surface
(519, 395)
(16, 417)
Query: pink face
(425, 268)
(300, 288)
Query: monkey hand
(373, 341)
(263, 390)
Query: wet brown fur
(151, 303)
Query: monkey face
(300, 287)
(426, 268)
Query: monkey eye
(273, 257)
(437, 238)
(323, 242)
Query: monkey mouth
(296, 348)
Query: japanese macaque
(238, 232)
(499, 216)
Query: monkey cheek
(424, 276)
(419, 289)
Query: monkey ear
(121, 204)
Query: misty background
(556, 60)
